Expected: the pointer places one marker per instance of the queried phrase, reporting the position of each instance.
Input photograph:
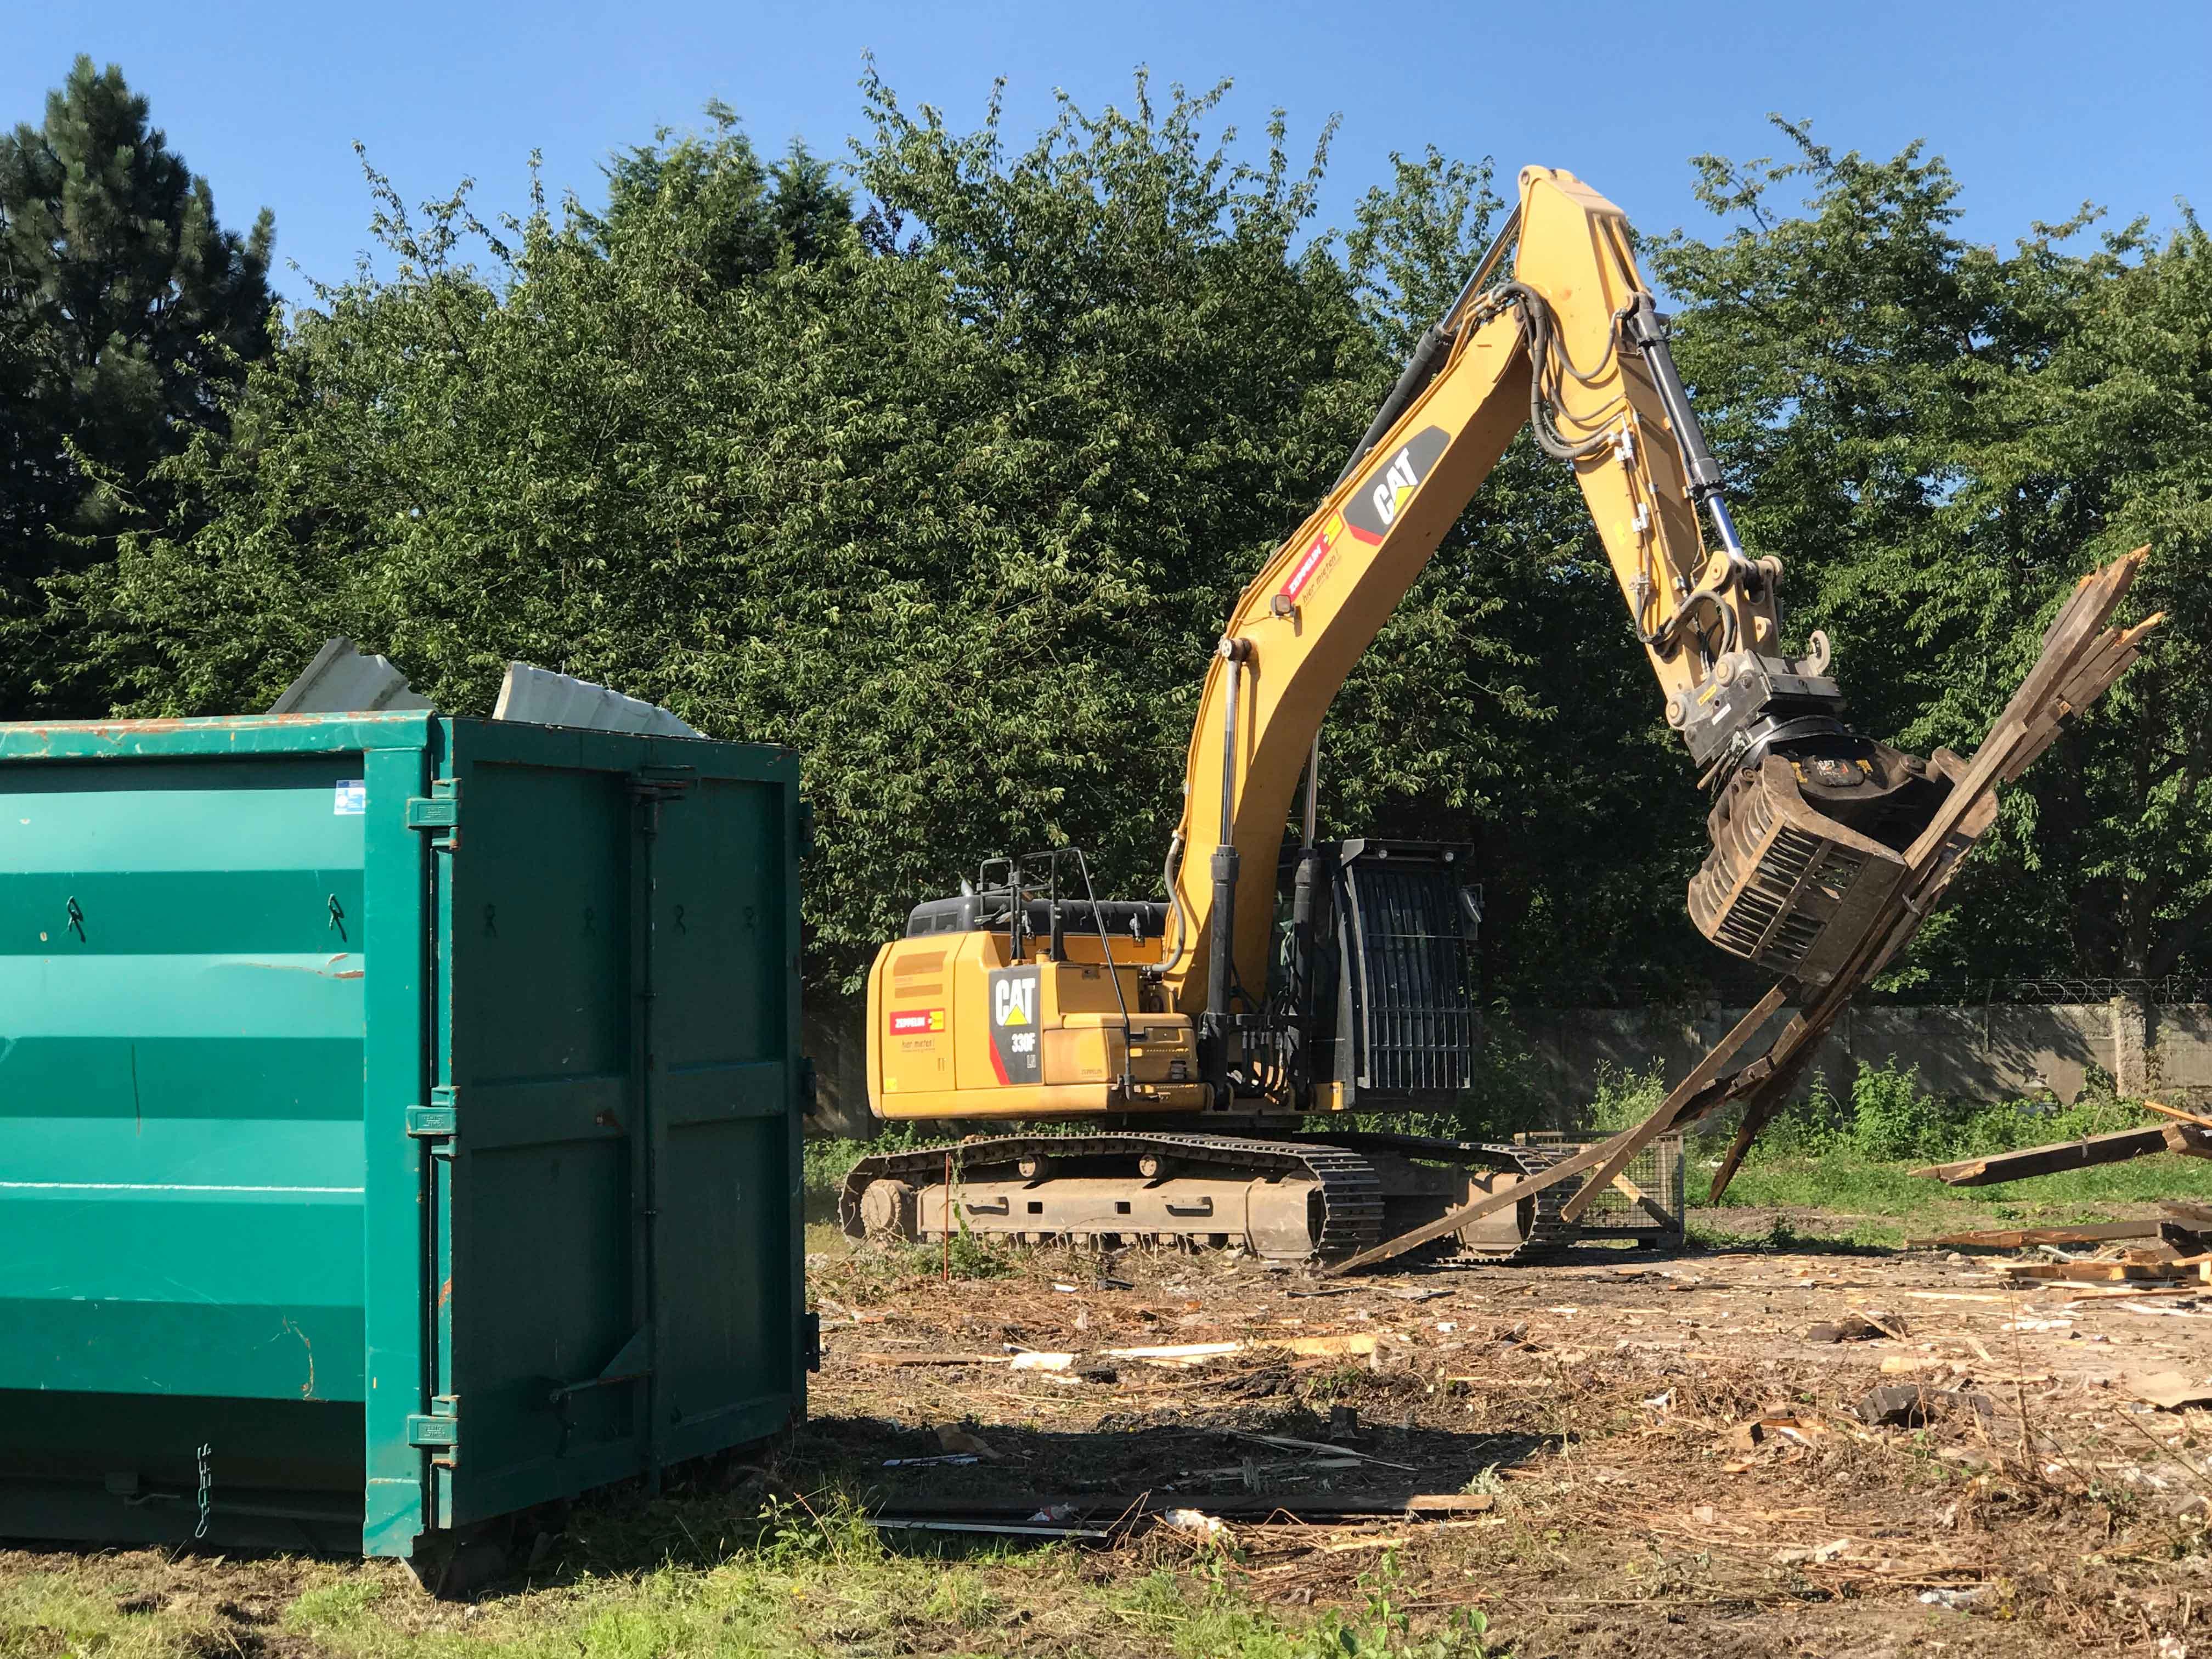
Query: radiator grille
(1413, 991)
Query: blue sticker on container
(350, 799)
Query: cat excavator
(1183, 1050)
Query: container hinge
(662, 782)
(439, 813)
(438, 1122)
(440, 1427)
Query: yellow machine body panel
(957, 1028)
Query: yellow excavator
(1190, 1042)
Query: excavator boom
(1572, 345)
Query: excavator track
(1350, 1191)
(1351, 1197)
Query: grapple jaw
(1809, 852)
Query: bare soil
(1674, 1465)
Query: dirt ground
(1674, 1462)
(1622, 1454)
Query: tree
(959, 521)
(127, 314)
(954, 503)
(1940, 439)
(739, 217)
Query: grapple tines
(1808, 854)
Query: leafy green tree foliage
(126, 315)
(953, 499)
(954, 507)
(1940, 439)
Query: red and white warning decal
(1310, 560)
(908, 1022)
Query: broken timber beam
(2115, 1148)
(2176, 1113)
(2077, 663)
(2014, 1238)
(1626, 1146)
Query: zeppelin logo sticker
(913, 1022)
(1310, 560)
(1014, 1053)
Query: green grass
(783, 1582)
(1842, 1181)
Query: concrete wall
(836, 1039)
(1999, 1051)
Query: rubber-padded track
(1352, 1196)
(1351, 1192)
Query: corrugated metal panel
(344, 680)
(542, 697)
(409, 1232)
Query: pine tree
(126, 313)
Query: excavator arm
(1572, 345)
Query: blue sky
(2038, 106)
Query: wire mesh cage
(1644, 1202)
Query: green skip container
(400, 1122)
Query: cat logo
(1398, 482)
(1375, 506)
(1015, 1056)
(1013, 999)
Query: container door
(620, 1289)
(722, 958)
(539, 1298)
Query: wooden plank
(2175, 1112)
(1104, 1508)
(2161, 1272)
(2115, 1148)
(1451, 1221)
(2073, 632)
(931, 1359)
(1638, 1195)
(2013, 1238)
(1705, 1071)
